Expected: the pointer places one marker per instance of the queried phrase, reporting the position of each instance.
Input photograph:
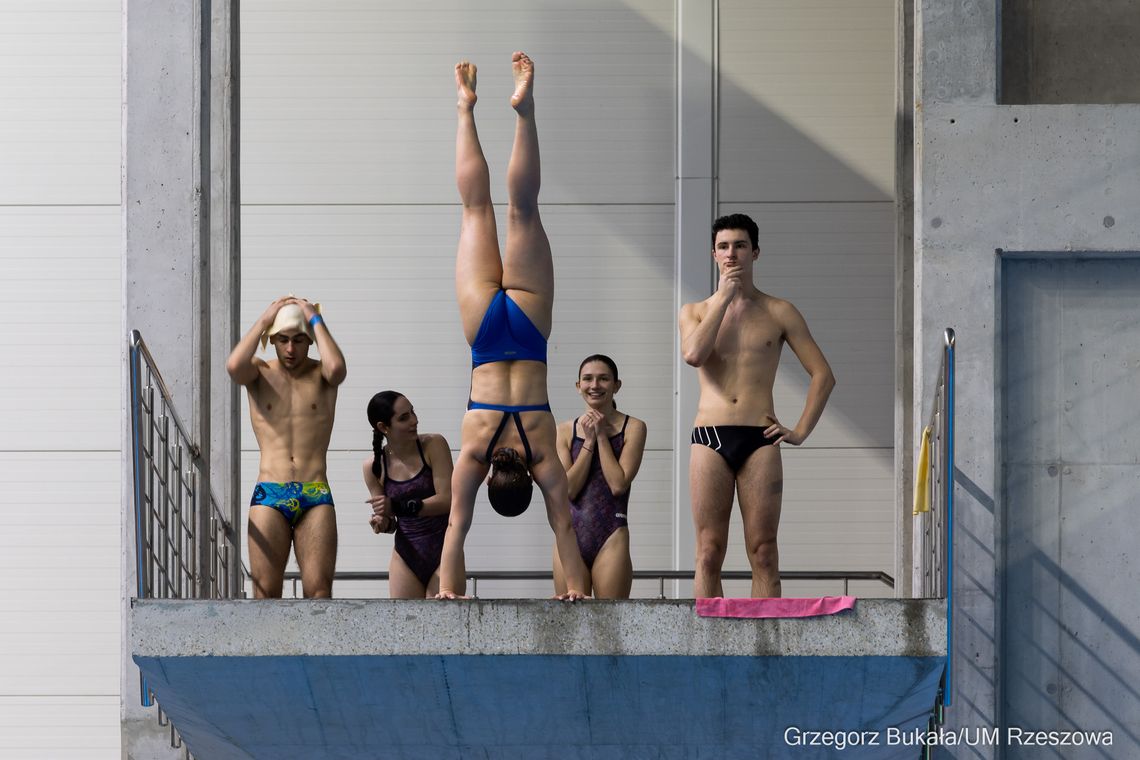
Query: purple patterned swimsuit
(596, 513)
(419, 540)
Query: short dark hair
(737, 222)
(511, 485)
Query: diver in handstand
(505, 305)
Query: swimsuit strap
(499, 431)
(522, 436)
(622, 431)
(384, 459)
(575, 429)
(495, 437)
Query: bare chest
(278, 398)
(749, 332)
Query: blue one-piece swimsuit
(506, 335)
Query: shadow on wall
(1071, 661)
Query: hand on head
(309, 309)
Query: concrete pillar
(179, 259)
(904, 292)
(695, 205)
(225, 263)
(957, 73)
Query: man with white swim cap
(292, 400)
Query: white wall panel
(50, 728)
(62, 278)
(807, 103)
(60, 240)
(59, 83)
(60, 626)
(354, 102)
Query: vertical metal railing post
(136, 453)
(948, 496)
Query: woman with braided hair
(409, 479)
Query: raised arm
(698, 331)
(798, 336)
(620, 472)
(333, 367)
(242, 365)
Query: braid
(378, 453)
(380, 409)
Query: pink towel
(774, 608)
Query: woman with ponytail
(601, 451)
(409, 479)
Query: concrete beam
(250, 628)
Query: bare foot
(465, 83)
(523, 68)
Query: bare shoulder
(695, 309)
(636, 423)
(434, 441)
(784, 311)
(565, 428)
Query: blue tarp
(534, 707)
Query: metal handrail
(933, 554)
(934, 528)
(176, 556)
(660, 575)
(173, 559)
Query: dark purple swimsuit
(596, 513)
(419, 540)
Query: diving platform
(533, 679)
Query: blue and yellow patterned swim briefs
(291, 499)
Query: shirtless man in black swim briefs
(505, 304)
(734, 338)
(292, 399)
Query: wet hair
(737, 222)
(510, 487)
(604, 360)
(381, 407)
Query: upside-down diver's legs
(478, 267)
(527, 264)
